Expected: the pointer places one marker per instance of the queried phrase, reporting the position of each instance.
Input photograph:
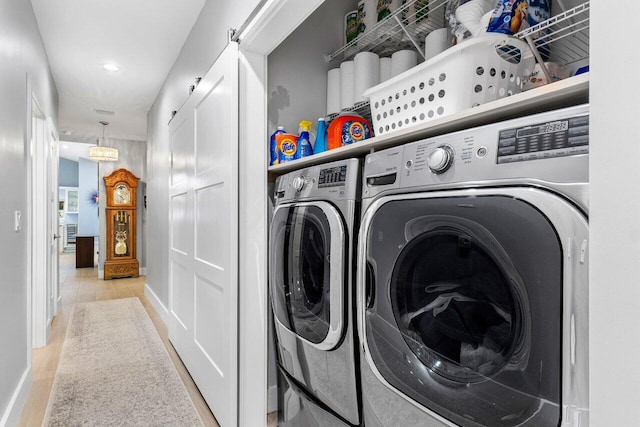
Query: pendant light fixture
(102, 153)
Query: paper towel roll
(367, 16)
(437, 41)
(350, 26)
(366, 73)
(403, 60)
(386, 7)
(471, 15)
(333, 91)
(484, 23)
(347, 87)
(385, 69)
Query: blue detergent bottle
(304, 138)
(274, 158)
(321, 138)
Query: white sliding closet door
(203, 271)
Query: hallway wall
(68, 173)
(87, 183)
(22, 59)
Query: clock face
(121, 195)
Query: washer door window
(307, 253)
(464, 307)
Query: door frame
(260, 35)
(43, 287)
(53, 237)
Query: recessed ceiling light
(65, 146)
(109, 66)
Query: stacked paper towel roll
(402, 61)
(333, 91)
(347, 87)
(385, 69)
(366, 73)
(436, 42)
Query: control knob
(440, 159)
(298, 183)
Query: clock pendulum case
(121, 261)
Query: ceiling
(74, 150)
(142, 37)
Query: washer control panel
(500, 151)
(556, 138)
(440, 159)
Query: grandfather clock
(121, 225)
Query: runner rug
(115, 371)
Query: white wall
(297, 85)
(21, 54)
(614, 296)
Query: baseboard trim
(100, 274)
(12, 412)
(272, 399)
(157, 304)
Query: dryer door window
(302, 285)
(465, 307)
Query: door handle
(55, 236)
(370, 286)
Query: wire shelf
(405, 28)
(563, 39)
(361, 108)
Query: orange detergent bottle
(347, 129)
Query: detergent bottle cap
(280, 128)
(321, 119)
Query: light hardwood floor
(82, 285)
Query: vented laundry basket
(476, 71)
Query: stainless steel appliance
(311, 279)
(473, 277)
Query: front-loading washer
(473, 277)
(311, 252)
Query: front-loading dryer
(311, 252)
(473, 277)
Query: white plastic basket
(476, 71)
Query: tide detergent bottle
(288, 145)
(304, 138)
(274, 149)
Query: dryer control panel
(555, 138)
(337, 180)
